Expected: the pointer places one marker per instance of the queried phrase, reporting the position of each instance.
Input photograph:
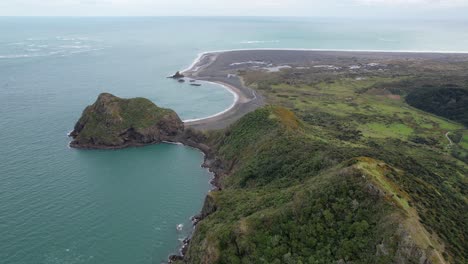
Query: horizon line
(235, 16)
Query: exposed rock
(177, 75)
(181, 80)
(113, 122)
(174, 258)
(195, 84)
(209, 205)
(408, 251)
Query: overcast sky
(457, 9)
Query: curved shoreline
(245, 99)
(239, 92)
(235, 100)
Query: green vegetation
(383, 126)
(450, 102)
(113, 121)
(289, 200)
(338, 170)
(464, 141)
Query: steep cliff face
(113, 122)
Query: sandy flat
(222, 68)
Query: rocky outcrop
(177, 75)
(112, 122)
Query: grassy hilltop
(339, 169)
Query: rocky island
(112, 122)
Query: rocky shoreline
(220, 68)
(194, 139)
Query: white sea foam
(173, 143)
(42, 46)
(180, 227)
(199, 56)
(65, 38)
(17, 56)
(388, 40)
(259, 41)
(62, 53)
(75, 46)
(16, 44)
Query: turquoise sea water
(61, 205)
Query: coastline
(207, 67)
(245, 99)
(235, 99)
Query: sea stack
(113, 122)
(177, 75)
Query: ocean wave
(65, 38)
(74, 46)
(30, 55)
(16, 44)
(84, 51)
(258, 41)
(55, 46)
(387, 40)
(16, 56)
(62, 53)
(38, 45)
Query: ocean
(62, 205)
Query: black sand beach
(223, 67)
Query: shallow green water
(61, 205)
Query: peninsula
(325, 157)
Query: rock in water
(177, 75)
(113, 122)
